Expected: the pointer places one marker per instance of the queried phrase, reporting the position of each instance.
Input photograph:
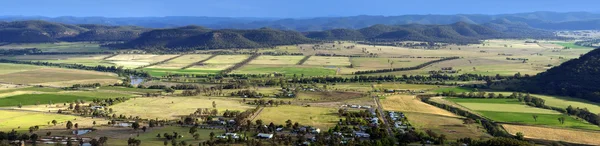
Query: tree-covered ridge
(45, 32)
(576, 78)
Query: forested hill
(44, 32)
(187, 38)
(194, 37)
(576, 78)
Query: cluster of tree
(496, 141)
(24, 51)
(584, 114)
(405, 68)
(77, 86)
(303, 60)
(589, 43)
(269, 102)
(240, 64)
(113, 69)
(247, 94)
(520, 59)
(36, 31)
(340, 55)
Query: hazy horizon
(284, 9)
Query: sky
(283, 8)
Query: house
(97, 107)
(389, 91)
(279, 129)
(264, 135)
(366, 107)
(362, 134)
(317, 130)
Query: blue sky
(283, 8)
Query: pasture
(27, 74)
(156, 72)
(409, 103)
(564, 102)
(149, 137)
(227, 59)
(87, 60)
(136, 60)
(32, 99)
(513, 111)
(328, 61)
(321, 117)
(298, 70)
(555, 134)
(174, 107)
(276, 60)
(14, 119)
(453, 127)
(182, 61)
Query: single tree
(69, 124)
(535, 117)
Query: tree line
(238, 65)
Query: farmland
(287, 69)
(453, 127)
(513, 111)
(26, 74)
(87, 60)
(135, 60)
(320, 117)
(555, 134)
(149, 138)
(276, 60)
(31, 99)
(173, 107)
(406, 103)
(14, 119)
(182, 61)
(328, 61)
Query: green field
(571, 45)
(288, 70)
(513, 111)
(320, 117)
(6, 68)
(14, 119)
(156, 72)
(564, 102)
(542, 119)
(31, 99)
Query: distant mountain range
(197, 37)
(42, 32)
(540, 20)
